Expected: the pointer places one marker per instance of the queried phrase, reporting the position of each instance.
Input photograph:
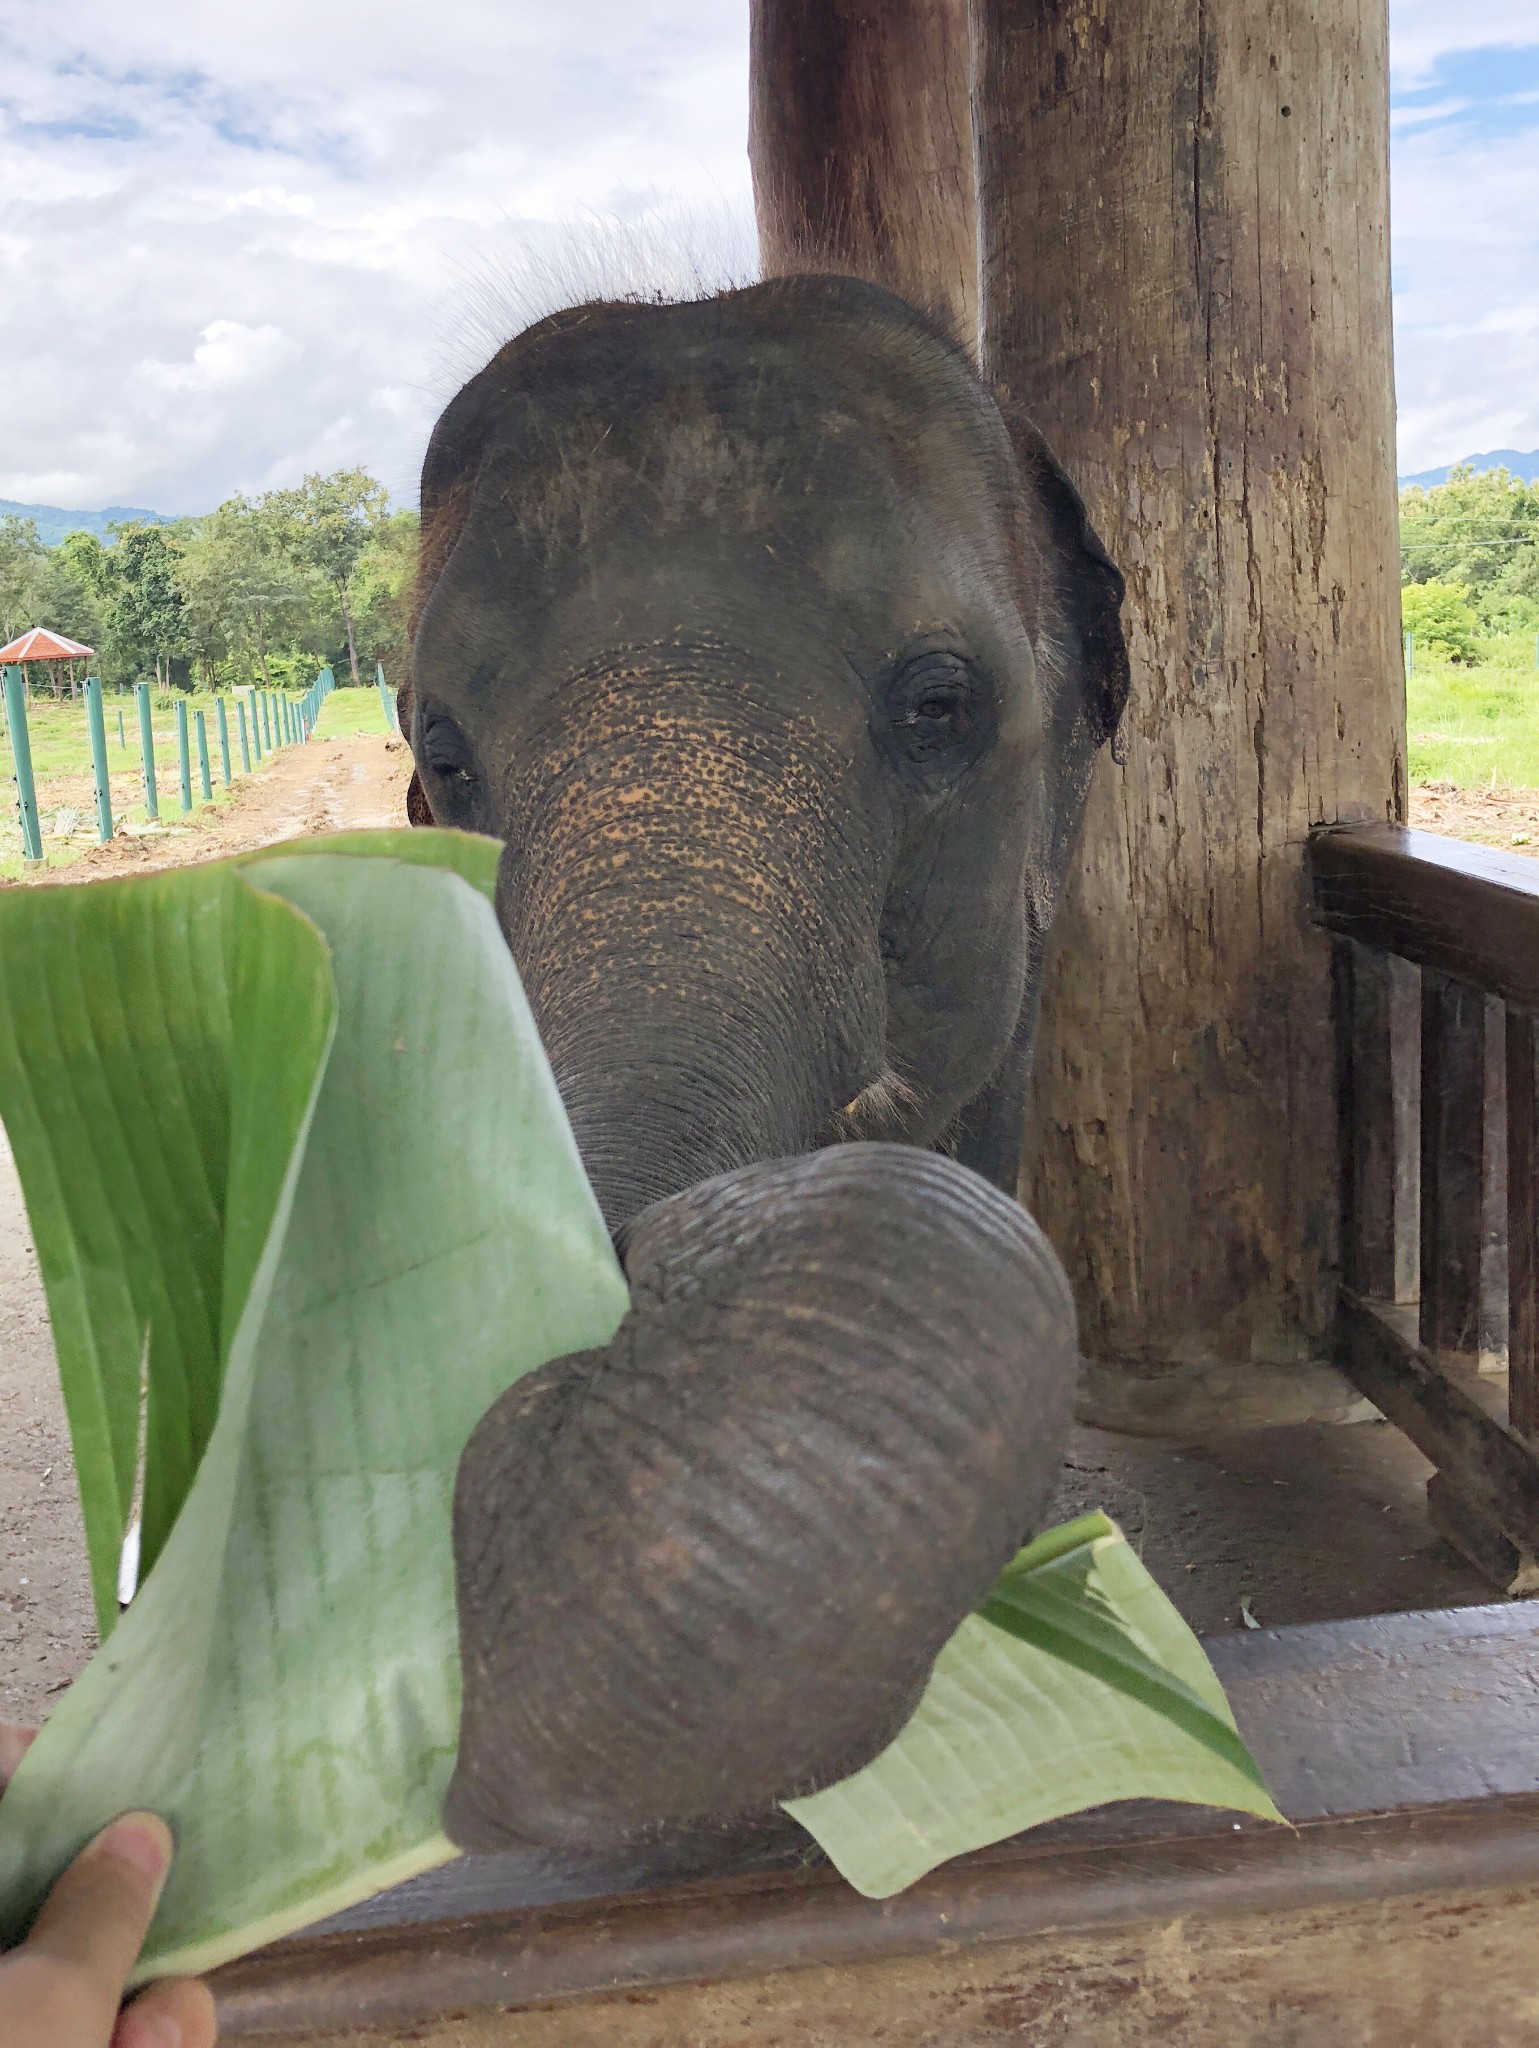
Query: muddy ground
(1274, 1526)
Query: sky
(241, 244)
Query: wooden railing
(1436, 961)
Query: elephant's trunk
(696, 931)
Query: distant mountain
(1525, 466)
(53, 522)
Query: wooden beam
(860, 141)
(1469, 911)
(1183, 218)
(1402, 1745)
(1496, 1472)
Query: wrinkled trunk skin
(695, 929)
(744, 1530)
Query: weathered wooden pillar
(1184, 225)
(861, 145)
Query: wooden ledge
(1404, 1746)
(1467, 910)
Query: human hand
(63, 1986)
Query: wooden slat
(1378, 1027)
(1523, 1220)
(1466, 910)
(1496, 1472)
(1463, 1213)
(1458, 1522)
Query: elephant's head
(779, 659)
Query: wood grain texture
(1183, 222)
(1495, 1471)
(1430, 1970)
(1523, 1221)
(1400, 1743)
(860, 139)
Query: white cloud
(239, 243)
(256, 233)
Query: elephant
(777, 651)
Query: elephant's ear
(1086, 586)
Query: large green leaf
(285, 1686)
(145, 1028)
(1076, 1684)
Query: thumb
(93, 1923)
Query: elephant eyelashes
(939, 710)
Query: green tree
(247, 597)
(149, 612)
(22, 560)
(384, 585)
(329, 523)
(1477, 530)
(1440, 616)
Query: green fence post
(97, 726)
(267, 719)
(245, 743)
(147, 749)
(21, 749)
(208, 781)
(256, 727)
(183, 753)
(224, 738)
(122, 736)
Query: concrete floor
(1306, 1522)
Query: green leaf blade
(1076, 1684)
(116, 1031)
(285, 1688)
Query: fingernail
(142, 1840)
(160, 2032)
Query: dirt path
(1508, 818)
(47, 1628)
(333, 785)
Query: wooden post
(222, 717)
(200, 723)
(97, 728)
(21, 753)
(861, 146)
(147, 749)
(1183, 214)
(184, 761)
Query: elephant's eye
(937, 707)
(446, 750)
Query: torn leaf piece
(1077, 1683)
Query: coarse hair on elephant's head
(778, 655)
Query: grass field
(1473, 726)
(61, 763)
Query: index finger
(94, 1921)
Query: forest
(1469, 553)
(262, 590)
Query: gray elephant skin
(778, 652)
